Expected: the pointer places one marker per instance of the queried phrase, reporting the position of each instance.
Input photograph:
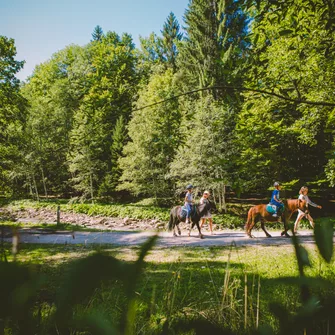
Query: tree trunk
(44, 185)
(91, 182)
(36, 190)
(223, 197)
(31, 192)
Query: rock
(102, 221)
(126, 221)
(159, 225)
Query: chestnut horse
(259, 213)
(197, 213)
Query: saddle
(271, 208)
(183, 212)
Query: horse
(259, 213)
(196, 214)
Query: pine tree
(171, 35)
(214, 30)
(97, 34)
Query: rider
(188, 202)
(275, 199)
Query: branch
(297, 101)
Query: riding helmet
(188, 187)
(276, 184)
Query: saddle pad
(271, 208)
(183, 212)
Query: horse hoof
(179, 232)
(283, 233)
(201, 236)
(268, 235)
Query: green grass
(187, 283)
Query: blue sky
(43, 27)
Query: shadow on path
(222, 238)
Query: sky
(42, 27)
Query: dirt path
(222, 238)
(127, 231)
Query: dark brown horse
(259, 213)
(197, 213)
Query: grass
(188, 283)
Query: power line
(297, 101)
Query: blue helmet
(188, 187)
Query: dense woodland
(241, 96)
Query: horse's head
(212, 206)
(206, 206)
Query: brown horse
(196, 214)
(259, 213)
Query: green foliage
(155, 134)
(214, 31)
(291, 57)
(12, 112)
(122, 296)
(171, 35)
(97, 34)
(324, 239)
(19, 287)
(74, 138)
(112, 80)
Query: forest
(240, 94)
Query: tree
(214, 31)
(291, 55)
(154, 136)
(97, 34)
(54, 92)
(206, 157)
(171, 35)
(112, 83)
(119, 137)
(12, 111)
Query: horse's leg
(286, 228)
(190, 228)
(174, 229)
(175, 223)
(199, 230)
(252, 222)
(179, 232)
(263, 227)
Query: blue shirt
(275, 193)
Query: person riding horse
(188, 202)
(275, 201)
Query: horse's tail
(170, 227)
(249, 219)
